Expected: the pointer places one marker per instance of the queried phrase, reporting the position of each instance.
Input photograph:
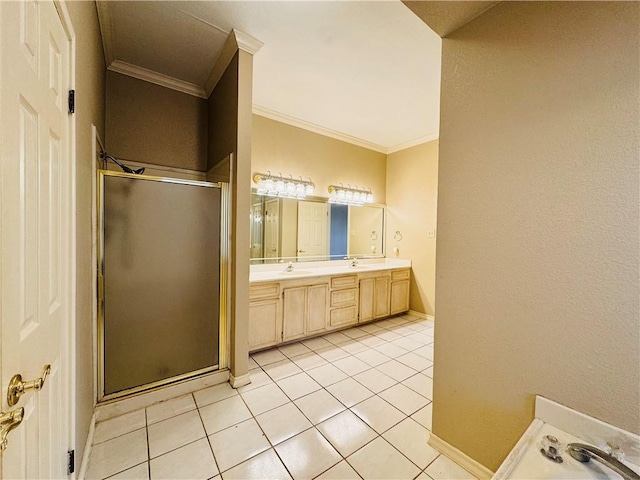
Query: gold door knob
(9, 421)
(17, 387)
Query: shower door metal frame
(223, 324)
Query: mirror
(292, 230)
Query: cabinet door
(295, 306)
(399, 296)
(265, 323)
(317, 308)
(381, 297)
(367, 293)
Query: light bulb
(309, 189)
(280, 186)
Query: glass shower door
(160, 267)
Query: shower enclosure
(161, 281)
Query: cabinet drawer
(341, 298)
(400, 275)
(344, 282)
(264, 290)
(343, 316)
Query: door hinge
(72, 101)
(71, 462)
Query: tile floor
(348, 405)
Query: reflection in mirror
(287, 229)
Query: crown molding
(156, 78)
(106, 28)
(246, 42)
(412, 143)
(312, 127)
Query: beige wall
(222, 129)
(293, 151)
(537, 261)
(90, 108)
(412, 197)
(152, 124)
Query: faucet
(353, 262)
(584, 453)
(289, 267)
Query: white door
(313, 229)
(36, 234)
(271, 229)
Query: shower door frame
(225, 252)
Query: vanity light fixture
(279, 186)
(349, 195)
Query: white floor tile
(327, 375)
(371, 341)
(170, 408)
(283, 423)
(425, 351)
(118, 454)
(391, 350)
(415, 361)
(378, 414)
(294, 349)
(298, 385)
(193, 461)
(214, 394)
(266, 465)
(420, 383)
(423, 476)
(371, 328)
(444, 469)
(349, 392)
(372, 357)
(237, 444)
(310, 360)
(319, 406)
(428, 372)
(375, 380)
(308, 454)
(355, 333)
(258, 379)
(411, 439)
(423, 416)
(404, 399)
(253, 364)
(331, 354)
(139, 472)
(396, 370)
(316, 343)
(337, 338)
(282, 369)
(351, 365)
(114, 427)
(341, 471)
(346, 432)
(264, 398)
(174, 433)
(379, 460)
(407, 343)
(223, 414)
(388, 335)
(268, 356)
(353, 347)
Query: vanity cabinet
(304, 311)
(265, 315)
(399, 297)
(343, 303)
(286, 310)
(374, 296)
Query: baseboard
(87, 449)
(241, 381)
(426, 316)
(469, 464)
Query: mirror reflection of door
(271, 229)
(256, 230)
(313, 229)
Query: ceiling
(367, 72)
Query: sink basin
(358, 267)
(296, 272)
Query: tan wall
(538, 248)
(152, 124)
(90, 109)
(293, 151)
(222, 129)
(412, 197)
